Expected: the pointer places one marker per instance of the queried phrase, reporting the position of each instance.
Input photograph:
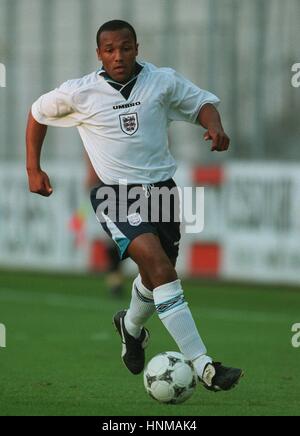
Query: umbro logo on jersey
(125, 106)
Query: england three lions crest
(129, 123)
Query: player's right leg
(130, 326)
(114, 278)
(133, 349)
(129, 323)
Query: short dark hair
(115, 25)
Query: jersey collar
(124, 88)
(101, 72)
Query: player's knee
(161, 272)
(155, 265)
(164, 276)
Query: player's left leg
(147, 252)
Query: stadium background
(241, 50)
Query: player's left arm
(210, 119)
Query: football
(170, 378)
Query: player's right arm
(55, 108)
(38, 180)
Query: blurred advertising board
(252, 222)
(35, 231)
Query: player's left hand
(220, 141)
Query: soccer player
(122, 113)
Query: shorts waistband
(142, 185)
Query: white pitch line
(51, 299)
(95, 304)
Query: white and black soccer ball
(170, 378)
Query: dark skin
(117, 51)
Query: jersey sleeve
(56, 108)
(186, 99)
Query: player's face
(118, 52)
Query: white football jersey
(126, 137)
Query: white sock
(141, 308)
(200, 364)
(176, 316)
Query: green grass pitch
(63, 355)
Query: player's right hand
(39, 183)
